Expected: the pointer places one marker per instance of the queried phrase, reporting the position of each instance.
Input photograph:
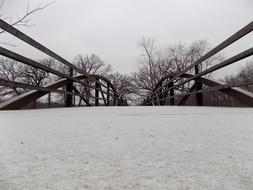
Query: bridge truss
(101, 90)
(175, 89)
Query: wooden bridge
(166, 92)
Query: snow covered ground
(144, 148)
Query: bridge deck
(127, 148)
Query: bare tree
(92, 64)
(34, 76)
(156, 63)
(10, 70)
(123, 86)
(182, 56)
(148, 73)
(23, 20)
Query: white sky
(112, 28)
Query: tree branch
(24, 20)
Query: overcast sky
(112, 28)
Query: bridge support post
(199, 86)
(108, 94)
(69, 88)
(97, 92)
(49, 99)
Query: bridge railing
(165, 90)
(103, 89)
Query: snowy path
(184, 148)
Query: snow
(144, 148)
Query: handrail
(99, 87)
(15, 32)
(235, 37)
(22, 59)
(163, 87)
(225, 63)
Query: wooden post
(199, 96)
(97, 92)
(69, 88)
(108, 94)
(49, 99)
